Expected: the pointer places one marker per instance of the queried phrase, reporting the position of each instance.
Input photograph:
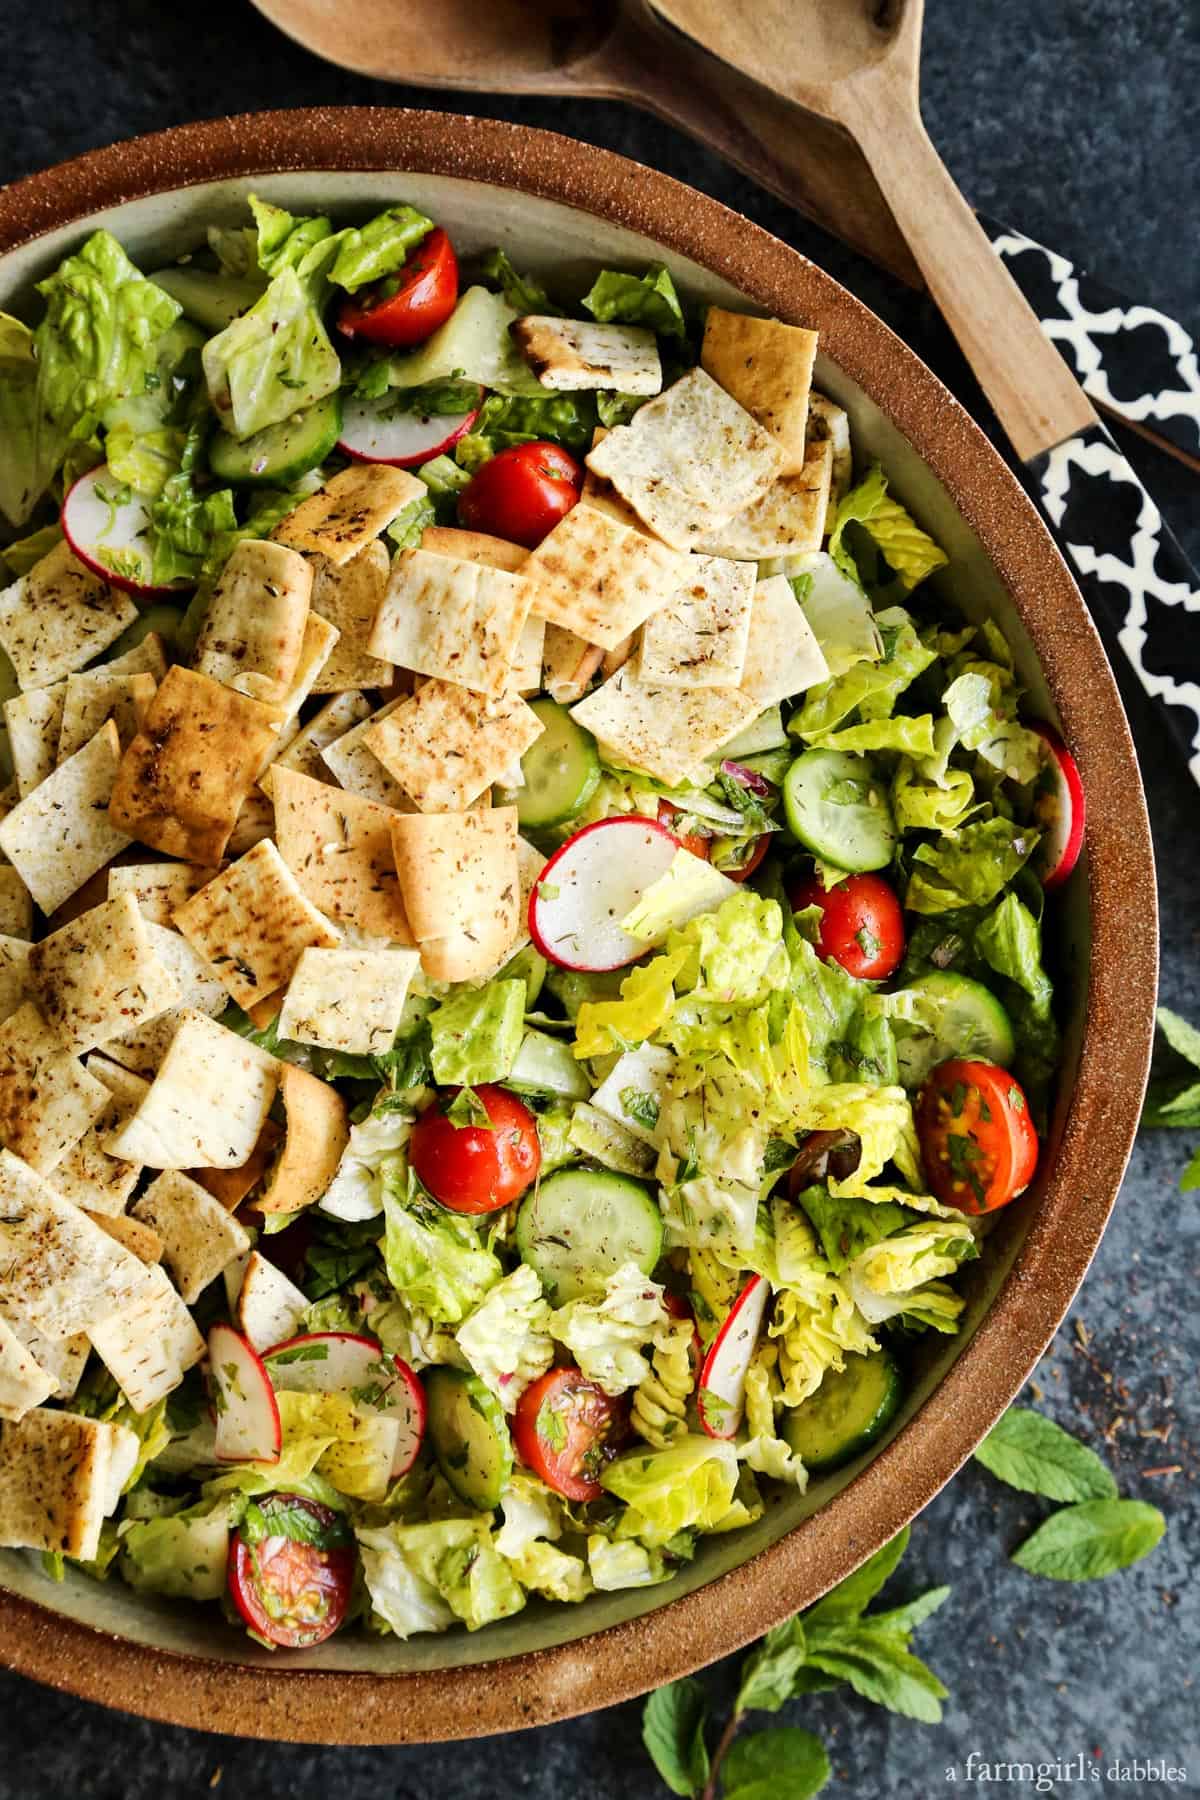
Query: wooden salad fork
(857, 158)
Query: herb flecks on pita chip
(252, 923)
(446, 746)
(99, 976)
(316, 1133)
(199, 1237)
(447, 616)
(348, 596)
(461, 887)
(254, 625)
(598, 578)
(768, 368)
(698, 639)
(206, 1104)
(59, 618)
(571, 354)
(62, 833)
(349, 1000)
(349, 511)
(339, 847)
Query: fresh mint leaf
(673, 1723)
(873, 1661)
(850, 1598)
(1183, 1038)
(1032, 1453)
(905, 1619)
(769, 1675)
(467, 1112)
(1190, 1179)
(640, 1106)
(784, 1764)
(1083, 1543)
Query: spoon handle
(1135, 576)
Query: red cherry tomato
(291, 1592)
(689, 840)
(405, 308)
(471, 1169)
(978, 1143)
(521, 493)
(566, 1428)
(761, 846)
(862, 926)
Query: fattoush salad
(522, 955)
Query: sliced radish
(721, 1391)
(1059, 810)
(112, 539)
(590, 885)
(339, 1362)
(248, 1428)
(375, 431)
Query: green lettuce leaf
(624, 1564)
(379, 248)
(508, 419)
(908, 550)
(506, 1340)
(273, 361)
(22, 555)
(868, 689)
(433, 1257)
(689, 1485)
(522, 292)
(646, 1003)
(281, 239)
(970, 868)
(735, 954)
(476, 1035)
(31, 444)
(183, 1556)
(423, 1577)
(847, 1227)
(648, 299)
(189, 522)
(606, 1337)
(919, 804)
(913, 736)
(357, 1457)
(473, 345)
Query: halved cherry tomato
(405, 308)
(521, 493)
(978, 1143)
(746, 870)
(690, 840)
(566, 1428)
(292, 1583)
(470, 1168)
(862, 926)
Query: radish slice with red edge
(248, 1428)
(375, 432)
(337, 1362)
(1059, 811)
(590, 885)
(108, 528)
(721, 1390)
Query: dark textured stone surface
(1074, 119)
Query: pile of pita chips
(450, 617)
(598, 578)
(768, 368)
(339, 847)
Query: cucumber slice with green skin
(838, 807)
(546, 1065)
(212, 299)
(282, 453)
(970, 1022)
(848, 1412)
(469, 1435)
(580, 1226)
(561, 770)
(160, 617)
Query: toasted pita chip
(14, 974)
(61, 833)
(158, 887)
(767, 367)
(350, 510)
(349, 595)
(339, 848)
(446, 746)
(206, 1104)
(318, 1130)
(139, 1239)
(601, 494)
(525, 669)
(789, 519)
(147, 657)
(348, 1000)
(57, 1269)
(829, 422)
(568, 664)
(97, 695)
(60, 1477)
(530, 863)
(443, 615)
(47, 1098)
(337, 717)
(783, 656)
(269, 1308)
(87, 1175)
(16, 905)
(255, 821)
(199, 1237)
(200, 990)
(474, 546)
(358, 769)
(699, 638)
(664, 730)
(149, 1346)
(99, 976)
(570, 354)
(231, 1186)
(64, 1358)
(24, 1384)
(458, 876)
(184, 778)
(252, 922)
(688, 461)
(598, 579)
(317, 646)
(57, 618)
(34, 721)
(252, 631)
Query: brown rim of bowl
(684, 1634)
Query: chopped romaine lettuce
(379, 248)
(273, 361)
(870, 689)
(433, 1257)
(689, 887)
(606, 1337)
(910, 552)
(477, 1033)
(506, 1339)
(968, 868)
(648, 299)
(688, 1486)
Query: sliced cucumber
(469, 1435)
(282, 453)
(210, 298)
(755, 739)
(546, 1065)
(967, 1020)
(161, 617)
(848, 1412)
(581, 1225)
(838, 807)
(561, 770)
(529, 966)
